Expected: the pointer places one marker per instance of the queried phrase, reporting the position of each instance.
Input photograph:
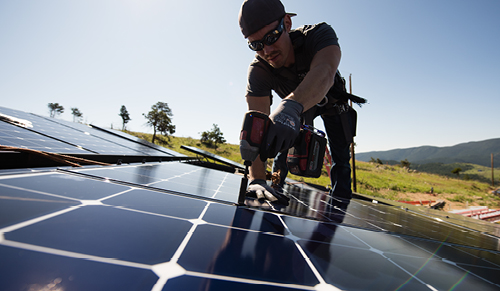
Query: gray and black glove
(285, 126)
(259, 189)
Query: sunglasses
(270, 38)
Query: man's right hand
(259, 189)
(284, 128)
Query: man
(300, 66)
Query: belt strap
(344, 118)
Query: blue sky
(430, 69)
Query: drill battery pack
(305, 158)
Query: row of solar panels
(23, 130)
(27, 130)
(175, 226)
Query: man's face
(280, 53)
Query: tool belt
(348, 116)
(336, 103)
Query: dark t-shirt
(307, 41)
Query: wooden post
(354, 187)
(492, 173)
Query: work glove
(284, 127)
(259, 189)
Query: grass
(396, 183)
(384, 181)
(469, 171)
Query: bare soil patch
(450, 205)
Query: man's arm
(258, 186)
(262, 104)
(319, 79)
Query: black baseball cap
(255, 14)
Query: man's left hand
(284, 128)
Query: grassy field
(468, 171)
(384, 181)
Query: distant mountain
(476, 152)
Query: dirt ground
(450, 205)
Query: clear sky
(430, 69)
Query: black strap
(344, 118)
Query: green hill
(478, 152)
(383, 181)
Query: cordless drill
(252, 143)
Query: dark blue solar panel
(213, 157)
(81, 136)
(79, 224)
(175, 177)
(134, 139)
(19, 204)
(15, 136)
(123, 140)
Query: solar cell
(48, 269)
(19, 204)
(62, 185)
(158, 203)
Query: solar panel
(180, 178)
(176, 226)
(169, 226)
(213, 157)
(137, 140)
(83, 136)
(123, 139)
(15, 136)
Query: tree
(124, 115)
(55, 109)
(159, 119)
(212, 137)
(405, 164)
(77, 114)
(457, 171)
